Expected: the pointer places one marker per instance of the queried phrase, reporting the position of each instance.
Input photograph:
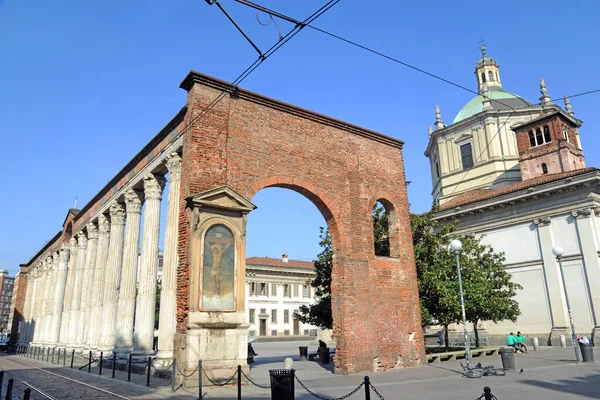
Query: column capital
(153, 186)
(133, 201)
(92, 231)
(81, 240)
(64, 253)
(73, 244)
(174, 166)
(117, 214)
(103, 224)
(582, 213)
(55, 257)
(542, 221)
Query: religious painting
(218, 271)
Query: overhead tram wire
(252, 67)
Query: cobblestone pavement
(549, 374)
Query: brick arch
(320, 199)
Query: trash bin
(282, 384)
(508, 358)
(324, 355)
(587, 351)
(303, 353)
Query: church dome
(506, 101)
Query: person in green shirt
(511, 340)
(520, 340)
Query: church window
(566, 133)
(490, 76)
(546, 134)
(532, 139)
(466, 154)
(544, 168)
(539, 137)
(437, 169)
(483, 77)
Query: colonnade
(88, 295)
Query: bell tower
(487, 72)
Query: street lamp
(558, 252)
(456, 246)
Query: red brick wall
(249, 142)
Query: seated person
(511, 340)
(520, 340)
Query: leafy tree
(381, 230)
(319, 314)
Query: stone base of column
(555, 334)
(167, 354)
(219, 337)
(123, 352)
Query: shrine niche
(218, 333)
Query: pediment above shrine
(224, 198)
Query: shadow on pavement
(588, 385)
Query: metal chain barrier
(184, 375)
(376, 392)
(219, 384)
(330, 398)
(254, 383)
(161, 370)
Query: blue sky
(84, 85)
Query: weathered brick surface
(250, 142)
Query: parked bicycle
(480, 370)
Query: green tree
(319, 314)
(381, 230)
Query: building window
(305, 291)
(251, 333)
(286, 290)
(466, 154)
(274, 332)
(286, 316)
(544, 168)
(483, 77)
(490, 76)
(263, 289)
(286, 332)
(532, 141)
(437, 169)
(306, 332)
(252, 289)
(546, 134)
(252, 315)
(566, 133)
(263, 310)
(274, 316)
(274, 289)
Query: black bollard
(72, 357)
(54, 348)
(200, 379)
(487, 393)
(114, 363)
(27, 394)
(149, 367)
(101, 356)
(174, 370)
(90, 363)
(1, 380)
(239, 382)
(9, 388)
(129, 370)
(367, 388)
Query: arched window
(566, 132)
(544, 168)
(483, 77)
(490, 76)
(532, 139)
(218, 271)
(546, 134)
(381, 230)
(539, 138)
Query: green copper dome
(506, 101)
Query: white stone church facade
(514, 172)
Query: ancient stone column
(98, 285)
(76, 295)
(59, 294)
(143, 336)
(126, 307)
(66, 315)
(38, 306)
(112, 279)
(168, 298)
(88, 281)
(52, 263)
(29, 303)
